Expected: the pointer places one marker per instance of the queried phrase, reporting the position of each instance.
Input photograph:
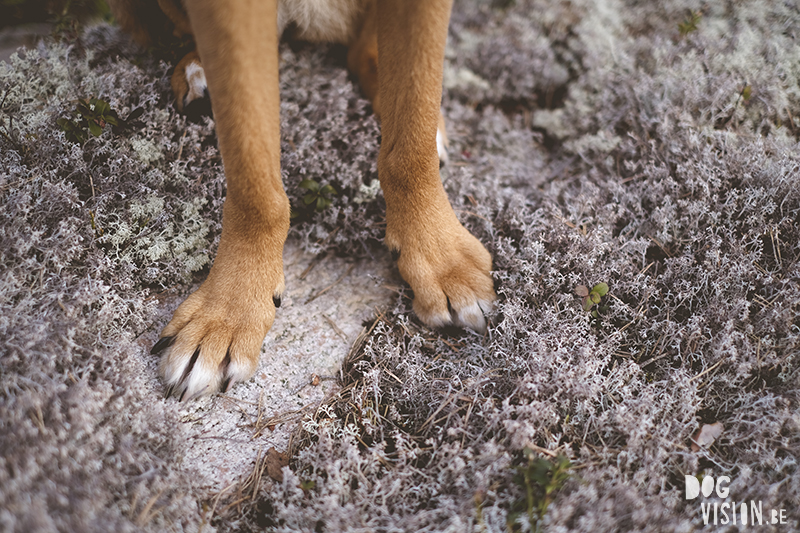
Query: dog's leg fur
(362, 61)
(448, 268)
(362, 55)
(215, 336)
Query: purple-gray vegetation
(590, 142)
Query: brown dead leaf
(275, 461)
(706, 435)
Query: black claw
(162, 344)
(190, 366)
(169, 392)
(395, 254)
(223, 369)
(276, 300)
(453, 315)
(183, 394)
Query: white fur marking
(471, 316)
(321, 20)
(486, 305)
(196, 79)
(173, 369)
(440, 146)
(239, 372)
(436, 320)
(201, 381)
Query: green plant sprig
(591, 297)
(91, 117)
(541, 478)
(318, 197)
(690, 23)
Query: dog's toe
(208, 367)
(452, 280)
(214, 338)
(472, 315)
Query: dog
(215, 336)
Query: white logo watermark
(723, 513)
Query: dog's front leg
(448, 268)
(215, 336)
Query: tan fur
(362, 55)
(215, 336)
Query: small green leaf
(594, 297)
(309, 185)
(601, 289)
(101, 107)
(322, 203)
(95, 129)
(309, 198)
(327, 190)
(747, 92)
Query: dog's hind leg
(215, 336)
(362, 61)
(188, 81)
(190, 87)
(150, 22)
(448, 268)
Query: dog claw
(276, 300)
(162, 344)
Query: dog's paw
(214, 338)
(190, 88)
(449, 271)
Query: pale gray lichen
(607, 147)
